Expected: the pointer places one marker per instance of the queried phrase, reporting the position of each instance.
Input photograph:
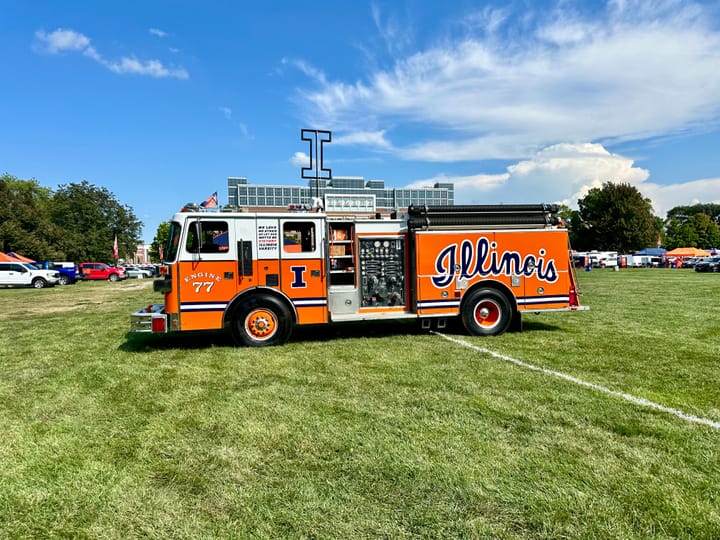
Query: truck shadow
(320, 333)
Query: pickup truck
(67, 270)
(96, 270)
(22, 274)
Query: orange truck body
(261, 274)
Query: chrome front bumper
(149, 319)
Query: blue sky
(161, 101)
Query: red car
(96, 270)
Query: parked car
(67, 270)
(603, 259)
(21, 274)
(711, 264)
(154, 269)
(692, 261)
(138, 272)
(97, 270)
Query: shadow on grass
(530, 325)
(319, 333)
(300, 334)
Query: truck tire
(486, 312)
(262, 321)
(113, 277)
(39, 283)
(64, 280)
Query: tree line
(77, 222)
(616, 217)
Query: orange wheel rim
(261, 324)
(487, 313)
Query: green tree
(572, 221)
(698, 230)
(161, 236)
(25, 226)
(615, 217)
(682, 213)
(91, 217)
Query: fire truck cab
(260, 274)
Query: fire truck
(260, 274)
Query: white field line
(633, 399)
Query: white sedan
(135, 272)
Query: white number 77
(200, 284)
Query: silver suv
(21, 274)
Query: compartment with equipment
(382, 271)
(342, 259)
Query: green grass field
(363, 431)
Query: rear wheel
(486, 312)
(113, 277)
(261, 322)
(39, 283)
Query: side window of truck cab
(298, 237)
(207, 237)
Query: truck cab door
(18, 275)
(207, 272)
(302, 266)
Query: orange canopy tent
(6, 258)
(18, 257)
(687, 252)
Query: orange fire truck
(260, 274)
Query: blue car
(67, 270)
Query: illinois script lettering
(483, 259)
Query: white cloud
(488, 20)
(227, 112)
(639, 69)
(307, 69)
(665, 197)
(154, 68)
(62, 40)
(560, 173)
(158, 33)
(68, 40)
(395, 35)
(373, 138)
(564, 173)
(300, 159)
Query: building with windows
(340, 193)
(142, 254)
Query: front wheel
(486, 312)
(39, 283)
(261, 322)
(64, 280)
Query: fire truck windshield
(173, 242)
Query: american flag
(210, 202)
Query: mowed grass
(363, 431)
